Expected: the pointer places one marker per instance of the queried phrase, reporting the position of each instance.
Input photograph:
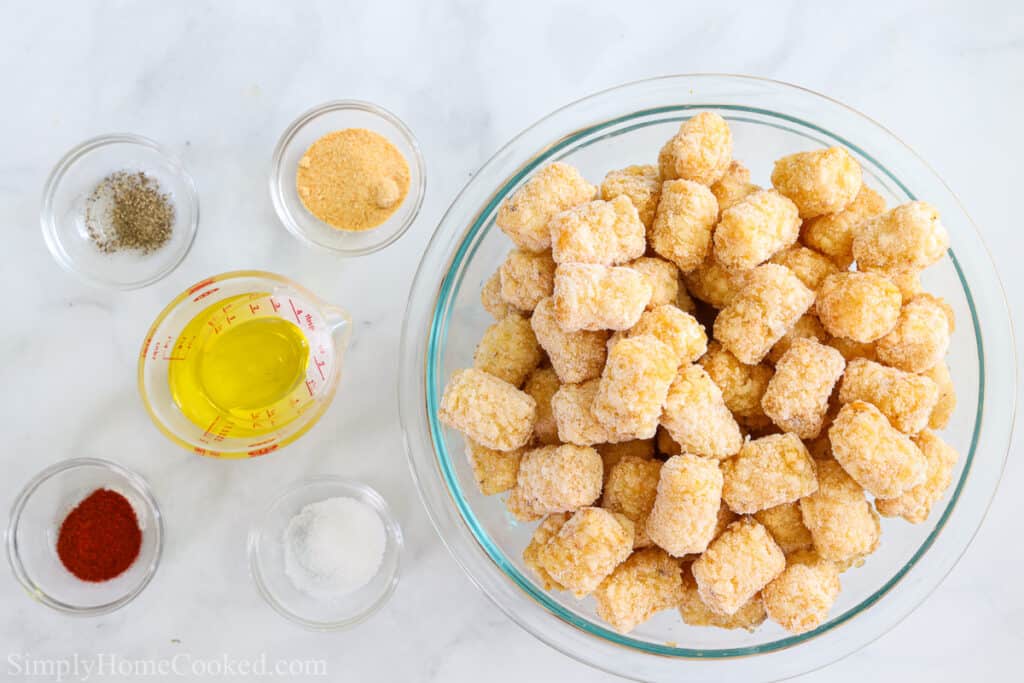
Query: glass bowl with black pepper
(85, 536)
(347, 176)
(119, 211)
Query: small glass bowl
(307, 129)
(266, 558)
(73, 180)
(36, 516)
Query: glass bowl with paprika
(85, 536)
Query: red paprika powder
(100, 537)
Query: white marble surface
(217, 83)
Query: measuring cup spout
(340, 323)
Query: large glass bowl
(444, 321)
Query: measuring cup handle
(340, 323)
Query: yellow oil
(236, 368)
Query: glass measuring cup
(223, 303)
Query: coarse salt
(333, 547)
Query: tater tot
(488, 410)
(524, 216)
(612, 453)
(832, 234)
(685, 510)
(641, 184)
(946, 403)
(646, 583)
(586, 549)
(633, 387)
(742, 385)
(771, 301)
(575, 356)
(674, 328)
(508, 350)
(915, 504)
(695, 613)
(701, 151)
(737, 565)
(797, 395)
(526, 278)
(878, 457)
(544, 532)
(542, 385)
(608, 233)
(697, 418)
(786, 525)
(819, 182)
(907, 281)
(909, 237)
(592, 297)
(920, 337)
(559, 478)
(491, 299)
(573, 409)
(663, 276)
(906, 399)
(683, 224)
(494, 471)
(519, 506)
(733, 186)
(851, 349)
(630, 489)
(859, 306)
(767, 472)
(714, 284)
(842, 523)
(811, 267)
(807, 327)
(799, 599)
(754, 229)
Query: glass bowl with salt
(119, 211)
(326, 553)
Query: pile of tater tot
(705, 391)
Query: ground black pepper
(128, 212)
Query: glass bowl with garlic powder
(119, 211)
(347, 176)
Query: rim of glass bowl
(277, 192)
(425, 329)
(14, 558)
(49, 221)
(394, 532)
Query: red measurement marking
(253, 308)
(145, 346)
(196, 288)
(296, 311)
(309, 322)
(202, 451)
(209, 430)
(205, 294)
(273, 304)
(263, 451)
(320, 368)
(310, 386)
(227, 316)
(257, 444)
